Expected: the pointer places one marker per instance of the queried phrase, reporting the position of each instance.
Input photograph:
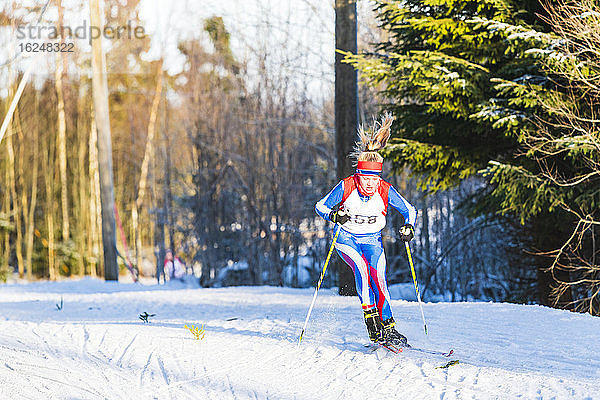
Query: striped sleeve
(324, 206)
(404, 207)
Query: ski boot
(391, 335)
(374, 325)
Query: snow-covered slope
(96, 347)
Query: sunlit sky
(297, 36)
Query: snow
(96, 347)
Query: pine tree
(467, 84)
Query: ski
(387, 346)
(391, 347)
(399, 349)
(434, 352)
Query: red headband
(369, 166)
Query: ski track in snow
(97, 348)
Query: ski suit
(359, 241)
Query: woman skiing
(359, 204)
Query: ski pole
(414, 276)
(319, 284)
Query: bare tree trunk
(159, 245)
(48, 165)
(346, 109)
(24, 206)
(61, 143)
(425, 236)
(18, 207)
(6, 236)
(62, 134)
(168, 193)
(5, 254)
(144, 169)
(107, 196)
(159, 230)
(32, 205)
(94, 241)
(6, 206)
(15, 212)
(81, 182)
(13, 205)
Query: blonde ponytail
(372, 140)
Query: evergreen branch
(440, 56)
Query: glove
(407, 232)
(339, 216)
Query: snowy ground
(96, 347)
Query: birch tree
(62, 129)
(148, 154)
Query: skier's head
(367, 184)
(369, 163)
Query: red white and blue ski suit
(359, 241)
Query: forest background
(223, 139)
